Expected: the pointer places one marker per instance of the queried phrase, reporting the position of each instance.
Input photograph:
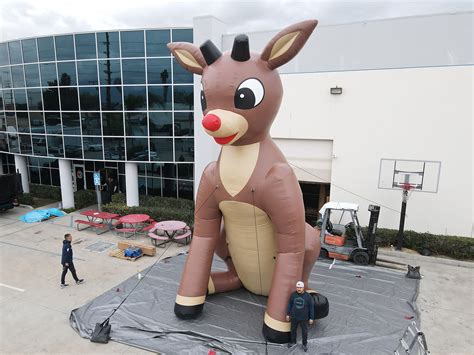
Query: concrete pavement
(34, 310)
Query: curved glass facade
(100, 99)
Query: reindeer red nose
(211, 122)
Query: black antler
(240, 49)
(210, 52)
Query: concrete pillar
(20, 166)
(131, 184)
(65, 176)
(206, 149)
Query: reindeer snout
(211, 122)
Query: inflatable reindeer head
(241, 90)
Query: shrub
(447, 245)
(26, 199)
(45, 191)
(68, 210)
(84, 198)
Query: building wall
(421, 114)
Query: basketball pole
(401, 227)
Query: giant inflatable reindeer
(249, 207)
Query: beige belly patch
(251, 245)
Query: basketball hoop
(407, 190)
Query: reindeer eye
(249, 94)
(203, 100)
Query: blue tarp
(41, 215)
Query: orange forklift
(341, 234)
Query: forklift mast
(371, 230)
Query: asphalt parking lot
(35, 310)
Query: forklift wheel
(360, 257)
(323, 254)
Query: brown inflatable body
(249, 207)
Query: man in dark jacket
(300, 312)
(67, 262)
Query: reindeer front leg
(284, 205)
(207, 224)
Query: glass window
(112, 123)
(137, 149)
(92, 147)
(30, 54)
(184, 149)
(71, 123)
(85, 46)
(114, 149)
(108, 45)
(87, 72)
(153, 186)
(39, 145)
(186, 171)
(37, 122)
(136, 124)
(8, 100)
(53, 122)
(25, 144)
(169, 188)
(159, 97)
(73, 147)
(185, 189)
(55, 180)
(34, 175)
(134, 98)
(161, 123)
(34, 99)
(132, 44)
(111, 98)
(141, 185)
(159, 71)
(69, 99)
(153, 169)
(46, 49)
(67, 73)
(181, 75)
(3, 54)
(49, 76)
(13, 143)
(18, 78)
(91, 123)
(89, 97)
(109, 72)
(1, 103)
(183, 35)
(184, 124)
(161, 149)
(11, 122)
(20, 99)
(64, 47)
(133, 71)
(169, 170)
(32, 75)
(5, 78)
(55, 146)
(23, 122)
(14, 48)
(45, 176)
(183, 97)
(3, 143)
(156, 42)
(51, 99)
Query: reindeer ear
(189, 56)
(287, 43)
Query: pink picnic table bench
(169, 231)
(101, 222)
(130, 225)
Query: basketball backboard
(422, 175)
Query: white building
(407, 93)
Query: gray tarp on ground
(368, 310)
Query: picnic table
(101, 222)
(176, 231)
(133, 224)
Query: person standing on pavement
(67, 261)
(300, 312)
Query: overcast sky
(29, 18)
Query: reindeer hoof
(188, 312)
(321, 305)
(275, 336)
